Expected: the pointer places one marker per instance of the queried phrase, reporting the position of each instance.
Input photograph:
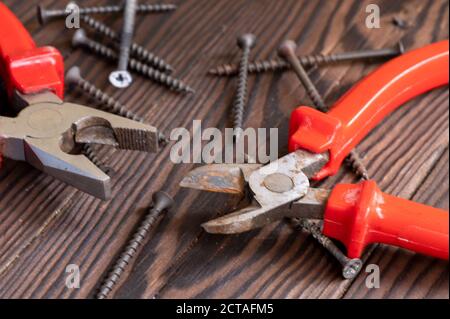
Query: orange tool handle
(361, 214)
(23, 66)
(367, 103)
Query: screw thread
(129, 252)
(90, 153)
(239, 102)
(143, 69)
(107, 102)
(357, 165)
(141, 8)
(315, 230)
(157, 76)
(136, 50)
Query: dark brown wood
(46, 225)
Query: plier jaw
(49, 136)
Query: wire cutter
(48, 133)
(354, 214)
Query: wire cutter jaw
(49, 136)
(274, 188)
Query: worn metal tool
(273, 65)
(121, 78)
(48, 133)
(356, 215)
(45, 15)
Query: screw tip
(73, 75)
(79, 37)
(246, 40)
(287, 48)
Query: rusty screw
(273, 65)
(161, 202)
(287, 51)
(245, 42)
(350, 267)
(45, 15)
(136, 50)
(107, 103)
(80, 39)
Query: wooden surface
(46, 225)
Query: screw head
(287, 48)
(162, 201)
(79, 37)
(247, 40)
(352, 268)
(73, 75)
(41, 15)
(120, 79)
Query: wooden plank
(46, 225)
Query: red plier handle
(24, 67)
(358, 215)
(367, 103)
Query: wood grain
(46, 225)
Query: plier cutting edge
(354, 214)
(49, 133)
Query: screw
(136, 50)
(273, 65)
(45, 15)
(245, 42)
(90, 153)
(121, 78)
(350, 267)
(80, 39)
(161, 202)
(287, 51)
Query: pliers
(354, 214)
(47, 132)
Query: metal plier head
(49, 135)
(273, 188)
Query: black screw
(80, 39)
(350, 267)
(45, 15)
(245, 42)
(137, 51)
(91, 154)
(121, 78)
(287, 51)
(273, 65)
(161, 202)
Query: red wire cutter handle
(23, 66)
(361, 214)
(367, 103)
